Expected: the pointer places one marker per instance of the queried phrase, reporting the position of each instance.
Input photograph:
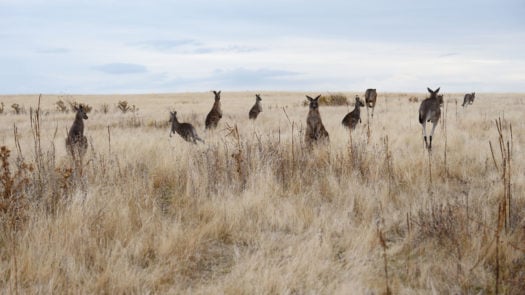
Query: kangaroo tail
(421, 119)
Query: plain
(253, 211)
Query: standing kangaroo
(429, 111)
(76, 142)
(468, 99)
(354, 117)
(370, 99)
(315, 130)
(185, 130)
(213, 117)
(257, 108)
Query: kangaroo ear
(214, 92)
(437, 90)
(219, 92)
(317, 97)
(430, 90)
(309, 98)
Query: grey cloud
(239, 79)
(231, 49)
(191, 46)
(249, 75)
(449, 54)
(121, 68)
(58, 50)
(166, 44)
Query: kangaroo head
(258, 97)
(314, 102)
(358, 101)
(434, 93)
(81, 111)
(217, 95)
(173, 116)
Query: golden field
(252, 211)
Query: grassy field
(252, 211)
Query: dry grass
(252, 211)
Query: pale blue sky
(174, 46)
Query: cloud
(251, 75)
(166, 44)
(54, 51)
(449, 54)
(121, 68)
(236, 79)
(225, 49)
(192, 46)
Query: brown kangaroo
(76, 142)
(257, 108)
(315, 130)
(354, 117)
(213, 117)
(429, 111)
(468, 99)
(185, 130)
(370, 99)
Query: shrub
(124, 107)
(61, 106)
(334, 99)
(104, 108)
(18, 108)
(73, 105)
(12, 197)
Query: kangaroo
(185, 130)
(76, 142)
(429, 111)
(468, 99)
(354, 117)
(213, 117)
(370, 99)
(315, 130)
(257, 108)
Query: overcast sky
(136, 46)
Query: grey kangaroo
(315, 131)
(354, 117)
(76, 142)
(213, 117)
(185, 130)
(429, 111)
(257, 108)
